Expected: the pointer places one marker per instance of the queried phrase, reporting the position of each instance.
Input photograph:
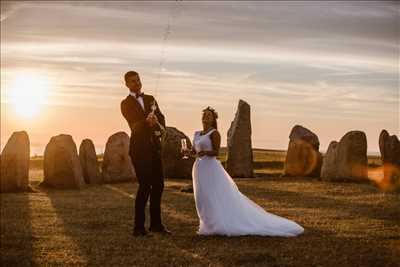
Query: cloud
(303, 26)
(8, 8)
(296, 59)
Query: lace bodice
(202, 142)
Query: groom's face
(133, 83)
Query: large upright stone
(352, 156)
(389, 146)
(15, 163)
(89, 163)
(61, 165)
(303, 157)
(240, 155)
(117, 165)
(173, 164)
(347, 160)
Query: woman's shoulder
(214, 132)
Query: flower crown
(212, 110)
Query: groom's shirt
(138, 99)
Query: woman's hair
(215, 116)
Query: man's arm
(160, 116)
(127, 113)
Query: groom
(145, 151)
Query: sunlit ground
(346, 224)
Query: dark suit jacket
(145, 146)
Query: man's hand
(185, 152)
(151, 120)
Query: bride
(221, 207)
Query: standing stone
(329, 165)
(352, 156)
(303, 157)
(240, 155)
(389, 146)
(299, 132)
(89, 163)
(173, 164)
(117, 165)
(15, 163)
(347, 160)
(62, 168)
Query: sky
(331, 67)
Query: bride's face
(207, 118)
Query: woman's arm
(190, 152)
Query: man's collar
(140, 94)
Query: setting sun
(27, 93)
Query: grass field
(346, 224)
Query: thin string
(173, 13)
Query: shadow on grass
(390, 213)
(99, 220)
(316, 246)
(179, 215)
(325, 248)
(16, 230)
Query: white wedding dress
(222, 208)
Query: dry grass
(345, 225)
(259, 155)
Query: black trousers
(151, 184)
(145, 190)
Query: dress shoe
(161, 230)
(139, 232)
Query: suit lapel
(146, 102)
(137, 105)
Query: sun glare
(28, 93)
